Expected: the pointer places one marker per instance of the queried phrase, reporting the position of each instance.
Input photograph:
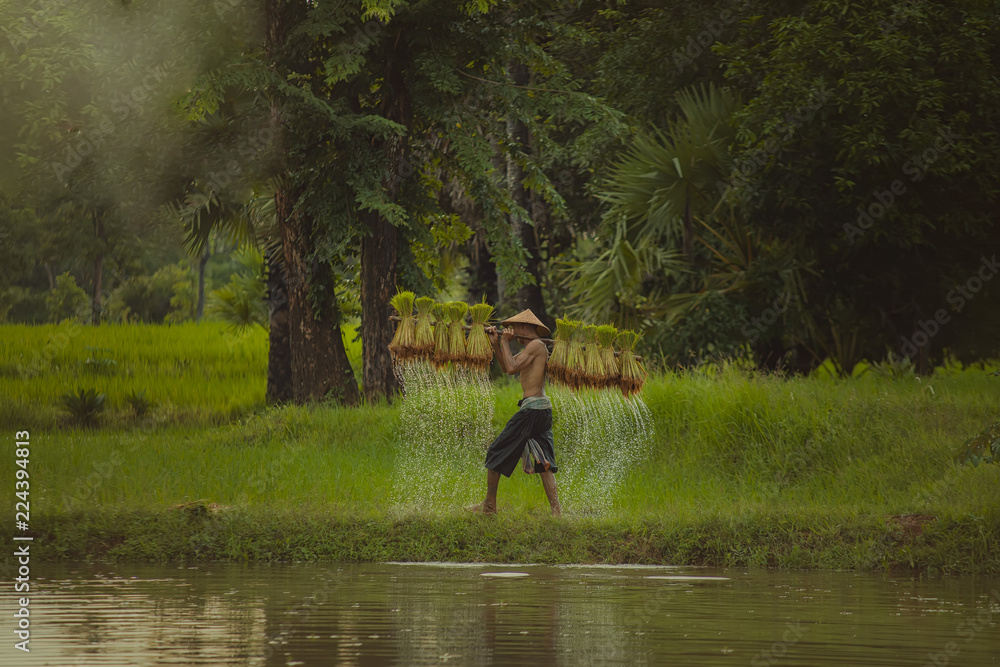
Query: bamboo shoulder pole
(397, 318)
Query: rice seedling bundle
(574, 356)
(403, 340)
(633, 375)
(456, 334)
(560, 351)
(593, 362)
(606, 335)
(478, 350)
(423, 343)
(442, 349)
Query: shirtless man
(528, 434)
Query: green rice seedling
(456, 333)
(442, 343)
(479, 351)
(85, 406)
(606, 335)
(423, 343)
(403, 340)
(100, 364)
(633, 375)
(560, 350)
(593, 363)
(574, 356)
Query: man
(528, 434)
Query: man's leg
(492, 482)
(549, 484)
(489, 506)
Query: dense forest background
(803, 183)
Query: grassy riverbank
(744, 469)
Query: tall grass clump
(84, 406)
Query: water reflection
(421, 614)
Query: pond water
(482, 614)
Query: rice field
(193, 373)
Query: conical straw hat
(528, 317)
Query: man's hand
(492, 333)
(508, 334)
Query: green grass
(744, 469)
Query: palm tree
(664, 183)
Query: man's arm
(510, 364)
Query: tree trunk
(320, 369)
(378, 284)
(200, 312)
(51, 275)
(378, 245)
(315, 359)
(279, 359)
(529, 295)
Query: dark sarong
(528, 433)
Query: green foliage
(20, 304)
(713, 327)
(981, 448)
(165, 296)
(139, 403)
(67, 300)
(894, 366)
(241, 302)
(846, 101)
(85, 405)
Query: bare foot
(482, 508)
(556, 510)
